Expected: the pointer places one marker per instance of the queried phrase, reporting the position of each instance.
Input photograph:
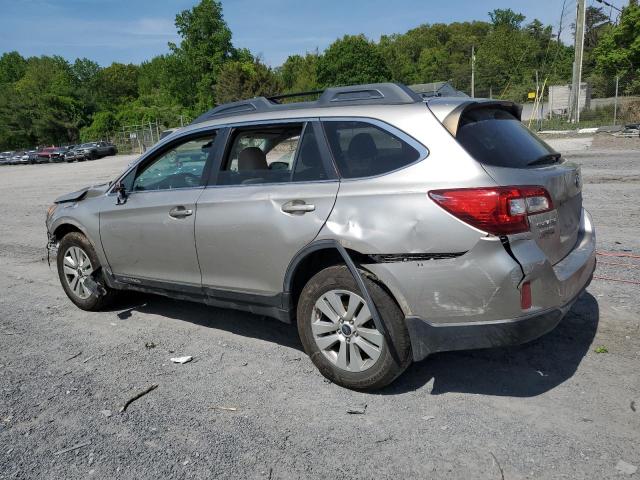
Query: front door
(272, 195)
(150, 238)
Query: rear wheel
(338, 333)
(77, 262)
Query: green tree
(43, 106)
(596, 24)
(506, 18)
(299, 74)
(116, 84)
(352, 59)
(85, 72)
(205, 47)
(238, 80)
(101, 128)
(12, 67)
(618, 52)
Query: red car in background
(51, 154)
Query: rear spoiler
(452, 120)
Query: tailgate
(556, 231)
(491, 132)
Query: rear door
(270, 197)
(513, 155)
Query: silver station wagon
(385, 225)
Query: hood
(87, 192)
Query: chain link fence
(136, 139)
(611, 103)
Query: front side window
(180, 167)
(362, 149)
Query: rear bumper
(428, 338)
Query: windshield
(495, 137)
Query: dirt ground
(554, 408)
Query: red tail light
(496, 210)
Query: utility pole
(473, 71)
(615, 104)
(574, 104)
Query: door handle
(180, 212)
(298, 207)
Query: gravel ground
(553, 408)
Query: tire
(361, 374)
(71, 244)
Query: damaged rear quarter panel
(392, 214)
(481, 285)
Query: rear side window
(362, 149)
(263, 154)
(273, 154)
(495, 137)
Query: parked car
(74, 156)
(386, 227)
(106, 149)
(5, 157)
(52, 154)
(32, 156)
(88, 150)
(19, 158)
(94, 150)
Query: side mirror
(121, 191)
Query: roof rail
(370, 94)
(275, 98)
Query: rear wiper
(545, 159)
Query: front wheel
(338, 333)
(77, 262)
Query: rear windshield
(495, 137)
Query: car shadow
(233, 321)
(519, 371)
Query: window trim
(402, 135)
(163, 147)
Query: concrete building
(559, 98)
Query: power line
(604, 2)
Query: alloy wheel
(77, 267)
(344, 331)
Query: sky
(135, 30)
